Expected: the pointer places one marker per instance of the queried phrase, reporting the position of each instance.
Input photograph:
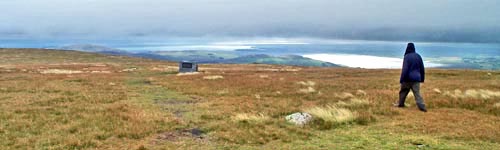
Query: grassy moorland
(74, 100)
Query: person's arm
(405, 70)
(422, 70)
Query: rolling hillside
(77, 100)
(204, 56)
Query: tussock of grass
(353, 102)
(497, 105)
(331, 113)
(307, 83)
(222, 92)
(360, 93)
(344, 95)
(410, 95)
(472, 93)
(164, 68)
(215, 77)
(307, 90)
(250, 118)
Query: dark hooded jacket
(413, 66)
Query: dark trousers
(415, 88)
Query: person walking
(412, 74)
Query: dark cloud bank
(391, 20)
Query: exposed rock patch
(299, 118)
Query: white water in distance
(364, 61)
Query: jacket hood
(410, 48)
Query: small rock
(196, 132)
(299, 118)
(419, 145)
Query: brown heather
(72, 100)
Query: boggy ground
(73, 100)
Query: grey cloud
(426, 20)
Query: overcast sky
(400, 20)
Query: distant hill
(198, 56)
(235, 57)
(93, 48)
(229, 57)
(281, 60)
